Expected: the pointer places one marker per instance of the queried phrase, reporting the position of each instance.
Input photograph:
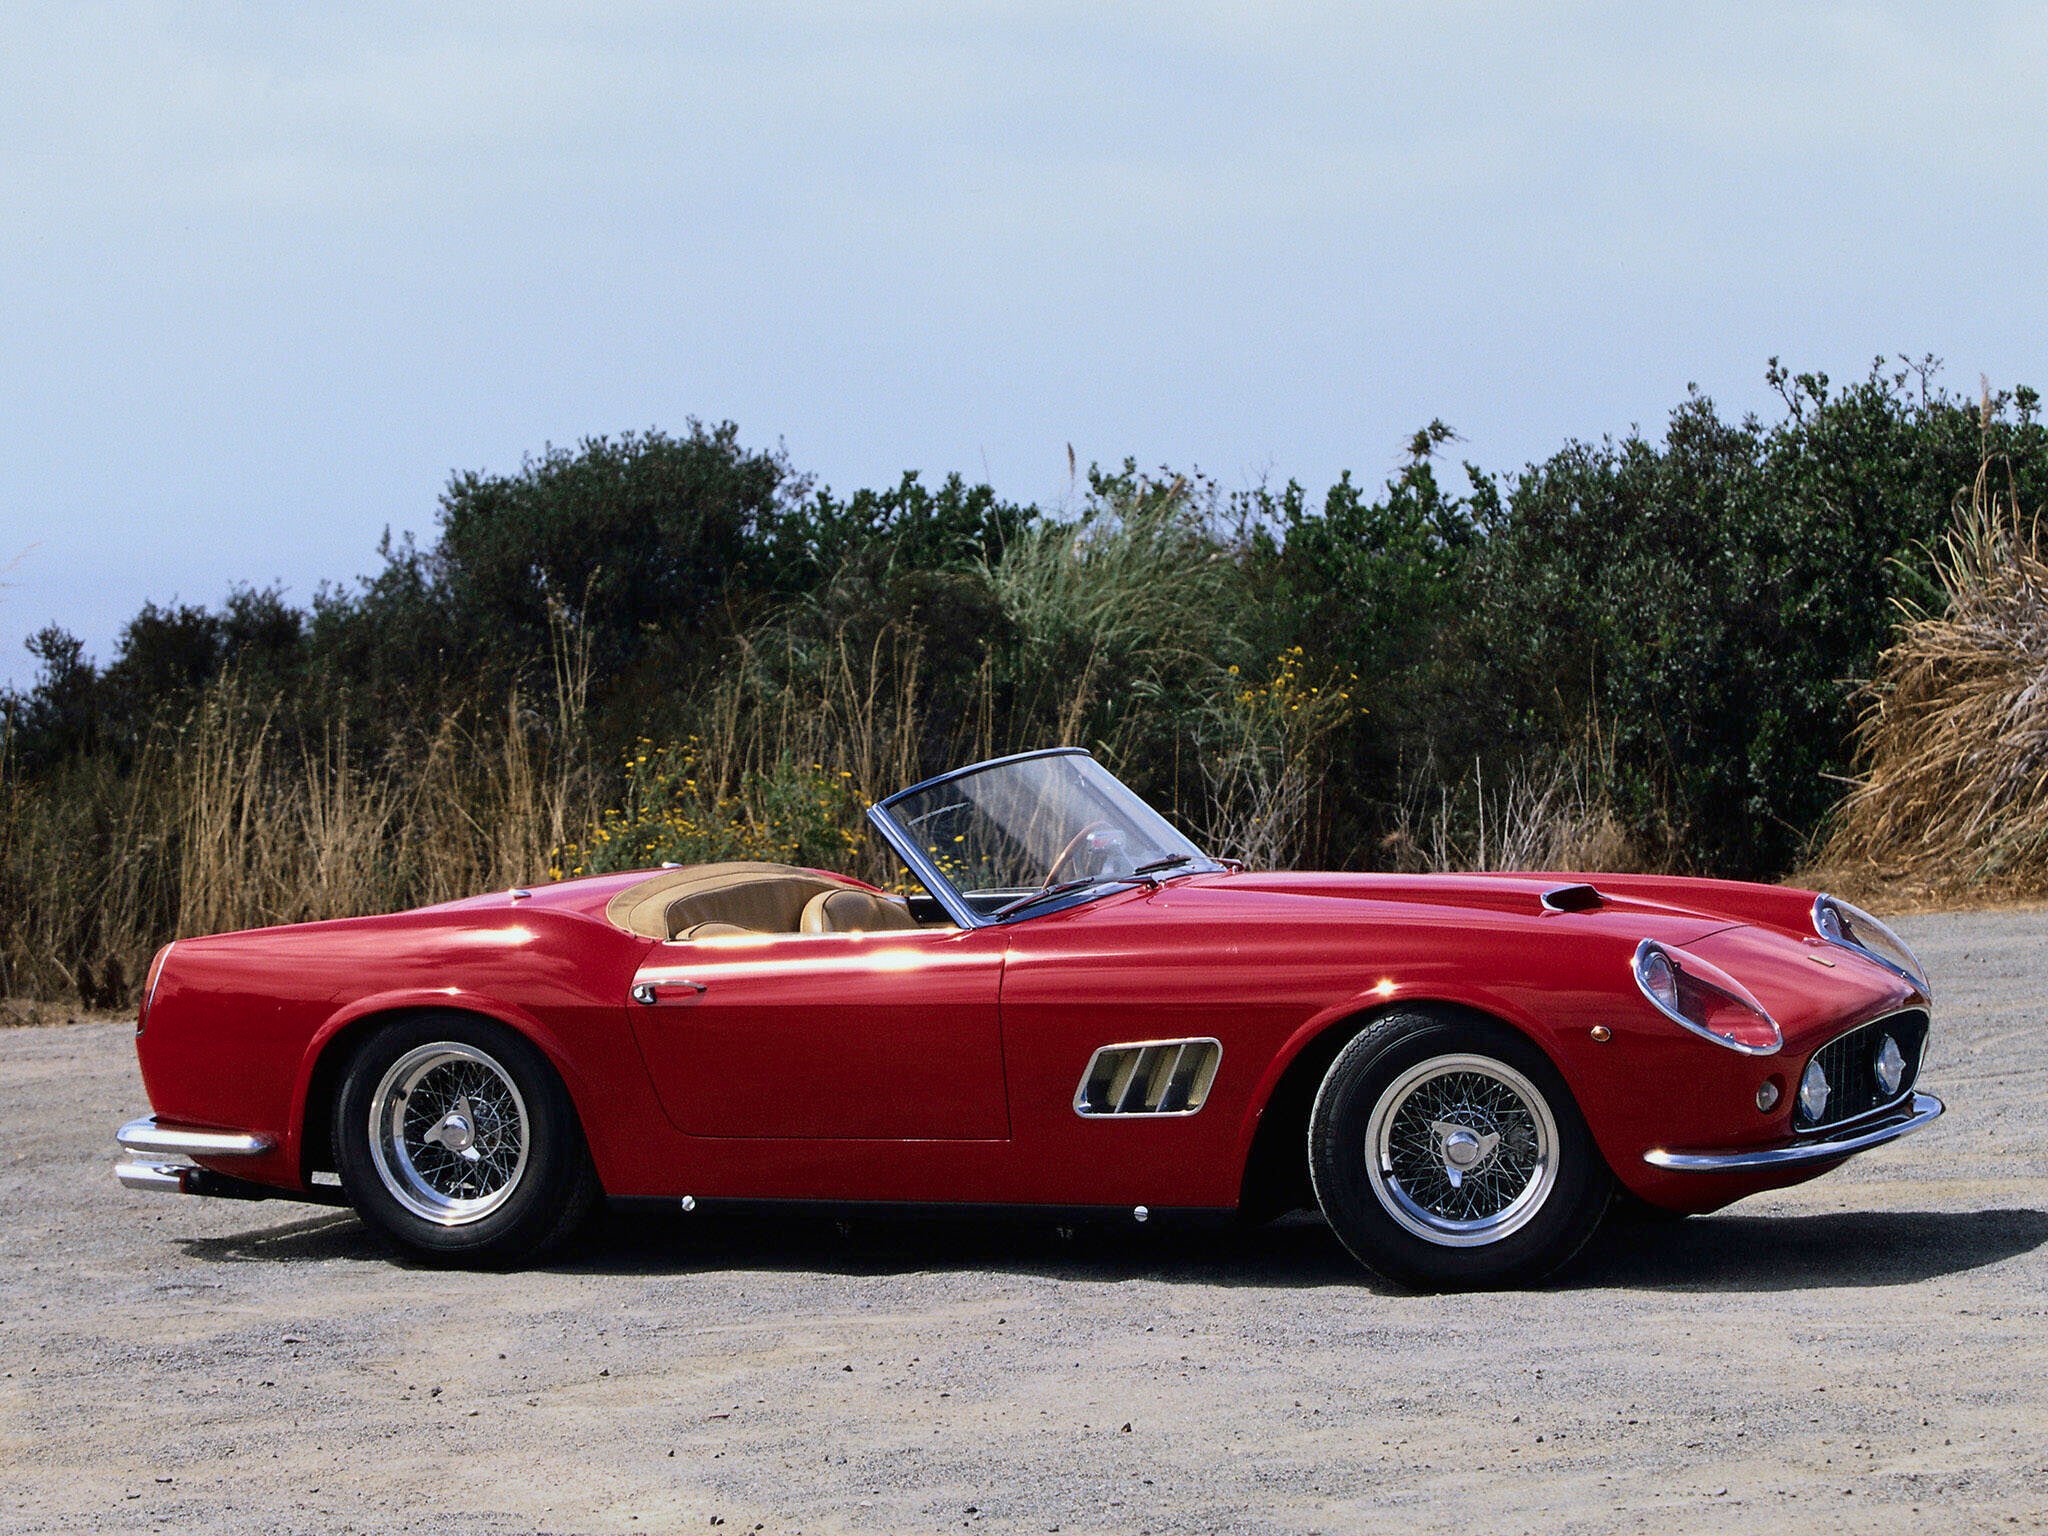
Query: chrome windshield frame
(960, 773)
(921, 864)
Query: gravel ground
(1867, 1352)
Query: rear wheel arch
(334, 1053)
(516, 1182)
(1275, 1177)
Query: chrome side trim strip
(1925, 1109)
(147, 1137)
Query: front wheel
(1447, 1154)
(455, 1139)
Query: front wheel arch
(1527, 1217)
(1275, 1177)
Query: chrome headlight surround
(1851, 928)
(1687, 991)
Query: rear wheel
(455, 1139)
(1446, 1153)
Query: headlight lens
(1853, 928)
(1705, 999)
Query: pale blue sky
(270, 272)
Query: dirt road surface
(1868, 1352)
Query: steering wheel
(1077, 842)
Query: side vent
(1149, 1077)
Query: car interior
(701, 901)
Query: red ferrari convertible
(1077, 1009)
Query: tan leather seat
(765, 904)
(743, 897)
(848, 910)
(714, 931)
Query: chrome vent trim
(1149, 1077)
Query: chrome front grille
(1148, 1077)
(1850, 1062)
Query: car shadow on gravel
(1295, 1251)
(1709, 1253)
(326, 1235)
(1784, 1253)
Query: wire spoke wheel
(449, 1133)
(1461, 1150)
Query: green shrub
(674, 810)
(1647, 646)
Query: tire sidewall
(1362, 1073)
(556, 1169)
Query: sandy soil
(1868, 1352)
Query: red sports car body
(1183, 1036)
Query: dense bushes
(1641, 650)
(1710, 601)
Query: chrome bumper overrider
(1925, 1107)
(146, 1142)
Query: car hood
(1751, 932)
(1423, 897)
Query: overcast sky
(271, 272)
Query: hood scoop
(1572, 898)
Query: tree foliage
(1690, 611)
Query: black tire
(1539, 1166)
(527, 1196)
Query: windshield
(1015, 827)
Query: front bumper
(1921, 1110)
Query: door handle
(648, 993)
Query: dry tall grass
(219, 826)
(1263, 751)
(853, 704)
(1114, 635)
(1954, 735)
(1553, 815)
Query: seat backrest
(713, 931)
(757, 896)
(763, 903)
(848, 910)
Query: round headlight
(1813, 1090)
(1660, 979)
(1853, 928)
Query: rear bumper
(1923, 1109)
(147, 1138)
(145, 1144)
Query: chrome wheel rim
(448, 1133)
(1461, 1150)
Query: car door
(891, 1036)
